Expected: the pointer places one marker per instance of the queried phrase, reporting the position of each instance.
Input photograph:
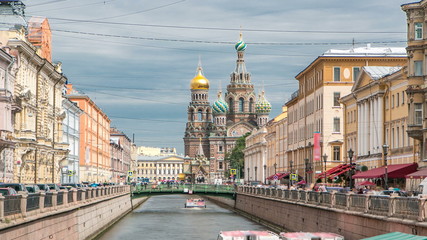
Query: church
(212, 130)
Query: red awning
(420, 174)
(279, 176)
(393, 171)
(335, 171)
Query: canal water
(164, 217)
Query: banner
(316, 148)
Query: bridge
(200, 189)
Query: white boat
(310, 236)
(195, 202)
(247, 235)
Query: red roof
(393, 171)
(422, 173)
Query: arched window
(231, 104)
(241, 105)
(251, 104)
(200, 115)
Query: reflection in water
(164, 217)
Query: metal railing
(196, 188)
(391, 206)
(20, 205)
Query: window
(397, 100)
(386, 102)
(220, 148)
(337, 74)
(403, 97)
(241, 104)
(403, 136)
(336, 124)
(200, 115)
(418, 68)
(251, 105)
(392, 101)
(337, 153)
(418, 114)
(336, 99)
(231, 104)
(356, 71)
(220, 165)
(397, 137)
(418, 31)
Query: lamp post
(265, 179)
(350, 156)
(248, 175)
(325, 158)
(256, 179)
(385, 151)
(306, 169)
(275, 165)
(290, 175)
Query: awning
(335, 171)
(393, 171)
(279, 176)
(420, 174)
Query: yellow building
(315, 107)
(376, 115)
(159, 168)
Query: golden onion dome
(199, 81)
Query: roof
(377, 72)
(279, 176)
(421, 173)
(397, 236)
(393, 171)
(335, 171)
(367, 51)
(158, 158)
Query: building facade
(315, 107)
(95, 151)
(159, 168)
(121, 155)
(70, 172)
(8, 68)
(216, 128)
(156, 151)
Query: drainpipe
(37, 114)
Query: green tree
(236, 158)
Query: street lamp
(265, 179)
(275, 165)
(255, 174)
(350, 156)
(306, 169)
(325, 157)
(385, 151)
(290, 175)
(248, 175)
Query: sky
(136, 58)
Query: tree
(236, 157)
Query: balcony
(415, 131)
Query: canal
(164, 217)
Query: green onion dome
(262, 105)
(240, 45)
(220, 106)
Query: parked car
(33, 188)
(19, 187)
(54, 186)
(8, 192)
(44, 187)
(71, 185)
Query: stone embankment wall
(83, 221)
(296, 217)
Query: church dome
(262, 105)
(240, 46)
(220, 106)
(199, 81)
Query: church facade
(212, 130)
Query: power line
(223, 42)
(227, 29)
(78, 6)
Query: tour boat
(310, 236)
(247, 235)
(195, 202)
